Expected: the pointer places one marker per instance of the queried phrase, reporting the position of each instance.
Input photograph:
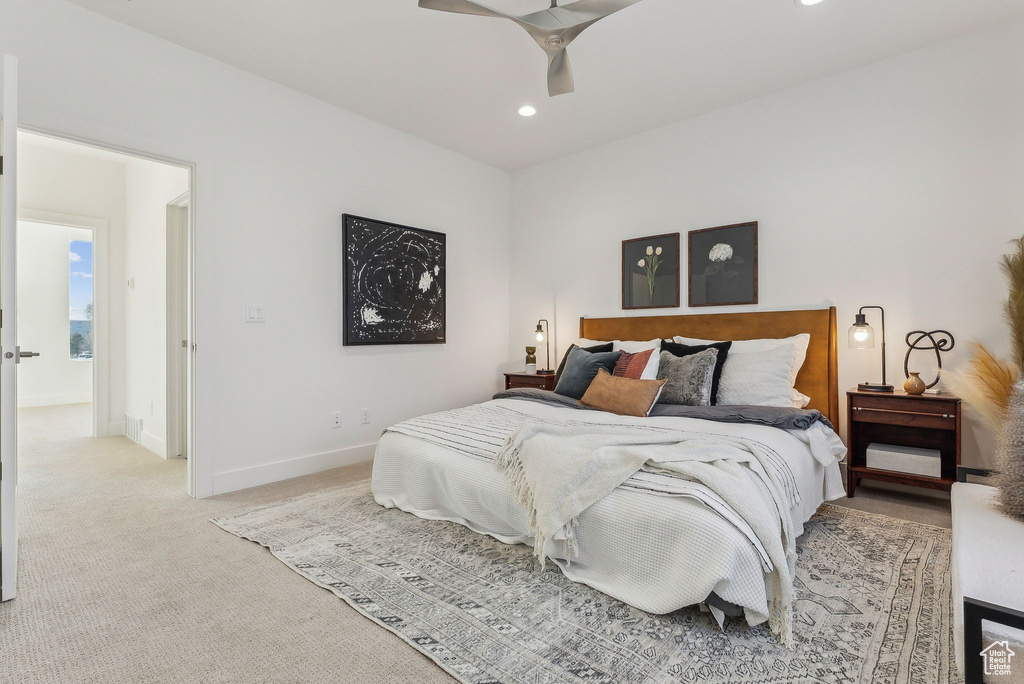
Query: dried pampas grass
(1013, 268)
(985, 385)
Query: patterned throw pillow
(689, 378)
(639, 366)
(624, 396)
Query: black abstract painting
(394, 283)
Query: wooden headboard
(819, 377)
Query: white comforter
(657, 542)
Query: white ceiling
(457, 80)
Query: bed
(656, 542)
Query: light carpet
(124, 579)
(873, 601)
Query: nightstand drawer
(936, 415)
(889, 402)
(528, 381)
(517, 380)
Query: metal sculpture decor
(945, 343)
(553, 29)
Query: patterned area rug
(873, 601)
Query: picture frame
(721, 265)
(650, 272)
(394, 285)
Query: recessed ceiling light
(807, 3)
(527, 110)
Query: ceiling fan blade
(461, 7)
(589, 10)
(572, 19)
(559, 74)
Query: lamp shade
(540, 333)
(862, 335)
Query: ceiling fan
(553, 29)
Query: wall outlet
(366, 416)
(254, 313)
(337, 420)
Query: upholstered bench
(988, 582)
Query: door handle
(27, 355)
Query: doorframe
(199, 480)
(101, 426)
(176, 257)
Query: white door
(9, 353)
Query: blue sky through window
(80, 299)
(80, 294)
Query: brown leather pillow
(625, 396)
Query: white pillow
(629, 346)
(800, 342)
(758, 378)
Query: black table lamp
(542, 336)
(862, 336)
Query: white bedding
(657, 542)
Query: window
(80, 299)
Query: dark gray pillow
(690, 378)
(581, 368)
(604, 347)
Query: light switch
(254, 313)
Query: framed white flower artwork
(722, 265)
(650, 272)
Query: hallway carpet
(122, 578)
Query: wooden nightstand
(544, 382)
(928, 421)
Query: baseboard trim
(155, 444)
(54, 400)
(255, 476)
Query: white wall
(897, 184)
(56, 181)
(149, 186)
(53, 377)
(275, 170)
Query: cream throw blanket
(557, 471)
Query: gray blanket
(769, 416)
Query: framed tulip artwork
(722, 265)
(650, 272)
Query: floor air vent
(133, 427)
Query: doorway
(58, 258)
(122, 300)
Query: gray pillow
(581, 368)
(690, 378)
